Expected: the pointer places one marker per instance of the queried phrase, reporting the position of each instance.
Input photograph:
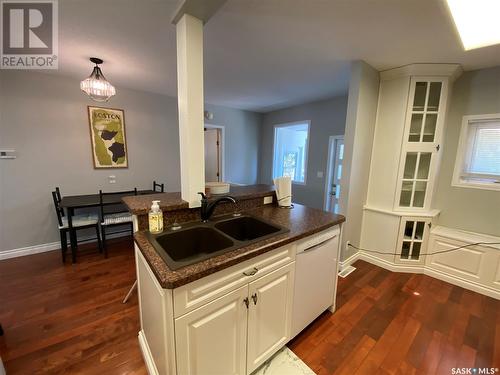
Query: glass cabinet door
(425, 111)
(415, 179)
(419, 147)
(413, 234)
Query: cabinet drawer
(193, 295)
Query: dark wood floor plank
(395, 323)
(356, 356)
(419, 346)
(401, 346)
(433, 354)
(69, 319)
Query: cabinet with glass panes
(424, 121)
(412, 239)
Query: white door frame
(222, 148)
(329, 172)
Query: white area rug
(284, 362)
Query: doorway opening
(214, 153)
(334, 173)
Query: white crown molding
(453, 71)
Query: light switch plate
(7, 154)
(268, 200)
(320, 174)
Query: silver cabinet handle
(251, 272)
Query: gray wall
(44, 118)
(360, 130)
(242, 130)
(327, 118)
(475, 92)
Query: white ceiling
(261, 54)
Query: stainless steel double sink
(198, 241)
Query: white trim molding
(431, 213)
(343, 264)
(441, 70)
(146, 354)
(29, 250)
(222, 149)
(330, 164)
(463, 156)
(306, 151)
(476, 267)
(46, 247)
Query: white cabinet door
(212, 339)
(421, 143)
(269, 315)
(412, 240)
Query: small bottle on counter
(155, 218)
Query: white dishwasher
(315, 277)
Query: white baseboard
(29, 250)
(146, 354)
(45, 247)
(422, 269)
(429, 271)
(389, 265)
(466, 284)
(349, 261)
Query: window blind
(484, 151)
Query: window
(290, 151)
(478, 156)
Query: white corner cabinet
(229, 322)
(406, 154)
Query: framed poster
(107, 137)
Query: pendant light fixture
(96, 86)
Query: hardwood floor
(69, 319)
(395, 323)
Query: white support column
(190, 99)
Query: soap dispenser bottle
(155, 218)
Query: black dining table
(74, 202)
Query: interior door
(212, 338)
(212, 154)
(335, 175)
(269, 315)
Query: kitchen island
(230, 313)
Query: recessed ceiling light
(476, 21)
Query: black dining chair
(158, 188)
(114, 214)
(72, 225)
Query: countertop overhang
(141, 204)
(302, 221)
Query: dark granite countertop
(141, 204)
(302, 221)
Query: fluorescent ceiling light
(477, 21)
